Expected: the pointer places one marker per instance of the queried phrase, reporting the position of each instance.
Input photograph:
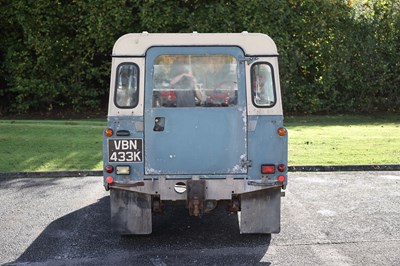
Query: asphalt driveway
(339, 218)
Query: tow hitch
(195, 197)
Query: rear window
(262, 85)
(195, 81)
(126, 92)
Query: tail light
(268, 169)
(281, 178)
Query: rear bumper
(215, 189)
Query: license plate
(125, 150)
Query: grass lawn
(332, 140)
(36, 145)
(53, 145)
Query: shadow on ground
(85, 237)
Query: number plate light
(122, 170)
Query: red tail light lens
(267, 169)
(281, 178)
(281, 168)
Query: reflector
(109, 169)
(281, 167)
(281, 178)
(109, 179)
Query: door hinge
(249, 60)
(247, 163)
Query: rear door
(195, 111)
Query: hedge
(335, 56)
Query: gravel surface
(341, 218)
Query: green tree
(62, 54)
(335, 56)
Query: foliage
(335, 56)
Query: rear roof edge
(136, 44)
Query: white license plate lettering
(125, 150)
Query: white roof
(136, 44)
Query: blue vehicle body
(228, 145)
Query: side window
(127, 81)
(262, 85)
(195, 81)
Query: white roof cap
(136, 44)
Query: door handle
(159, 124)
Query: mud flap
(260, 212)
(130, 212)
